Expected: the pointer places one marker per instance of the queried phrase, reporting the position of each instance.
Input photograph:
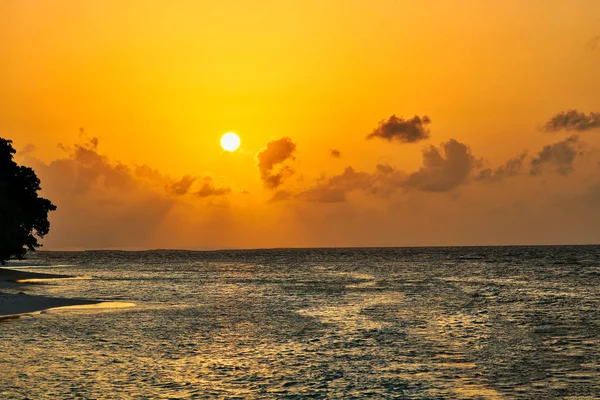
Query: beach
(14, 305)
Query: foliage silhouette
(23, 214)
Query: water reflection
(379, 323)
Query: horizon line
(225, 249)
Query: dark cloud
(403, 130)
(572, 120)
(273, 155)
(511, 168)
(444, 168)
(209, 189)
(558, 156)
(182, 186)
(335, 153)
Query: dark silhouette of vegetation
(23, 214)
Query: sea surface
(414, 323)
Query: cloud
(92, 169)
(107, 204)
(573, 120)
(511, 168)
(335, 153)
(387, 179)
(558, 156)
(335, 189)
(443, 169)
(382, 182)
(403, 130)
(30, 148)
(276, 152)
(208, 189)
(101, 204)
(146, 172)
(182, 186)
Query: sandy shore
(13, 306)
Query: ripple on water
(380, 323)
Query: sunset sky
(382, 123)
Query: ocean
(389, 323)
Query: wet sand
(13, 306)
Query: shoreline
(14, 306)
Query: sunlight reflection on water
(50, 280)
(338, 323)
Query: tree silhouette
(23, 214)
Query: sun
(230, 141)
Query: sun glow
(230, 141)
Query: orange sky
(157, 83)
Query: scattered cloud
(146, 172)
(100, 203)
(558, 156)
(106, 204)
(110, 204)
(509, 169)
(336, 188)
(92, 169)
(385, 180)
(443, 168)
(209, 189)
(335, 153)
(572, 120)
(403, 130)
(276, 152)
(182, 186)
